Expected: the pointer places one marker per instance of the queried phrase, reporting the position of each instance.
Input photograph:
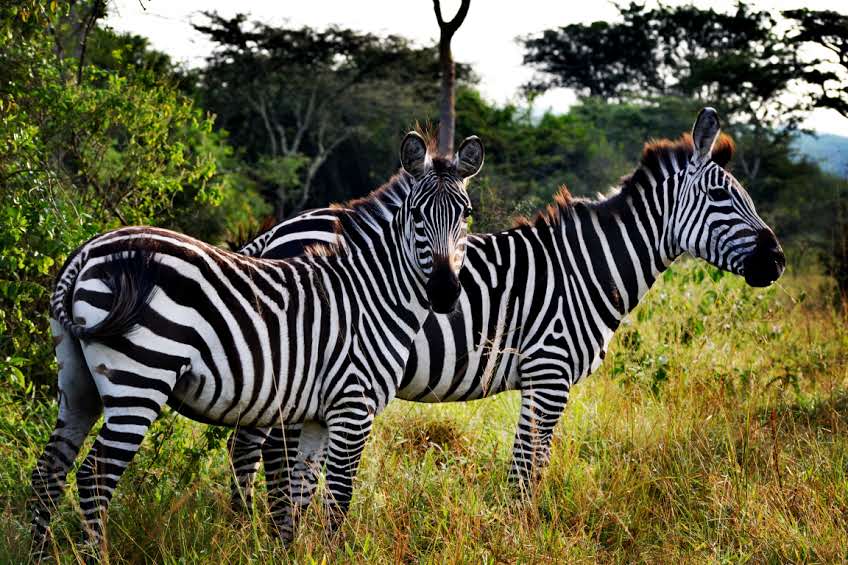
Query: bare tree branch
(447, 104)
(261, 108)
(304, 122)
(453, 25)
(97, 10)
(315, 165)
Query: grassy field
(714, 432)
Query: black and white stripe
(145, 316)
(540, 302)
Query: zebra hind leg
(305, 448)
(79, 409)
(133, 393)
(117, 442)
(245, 447)
(541, 409)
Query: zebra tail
(131, 279)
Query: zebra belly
(467, 382)
(443, 368)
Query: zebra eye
(719, 194)
(467, 212)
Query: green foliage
(700, 53)
(121, 146)
(825, 75)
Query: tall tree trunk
(447, 112)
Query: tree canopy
(747, 62)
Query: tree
(292, 97)
(827, 77)
(447, 100)
(735, 61)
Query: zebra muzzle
(767, 262)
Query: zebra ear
(413, 154)
(705, 132)
(469, 158)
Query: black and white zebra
(144, 316)
(541, 301)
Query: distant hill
(829, 151)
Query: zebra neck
(623, 240)
(382, 260)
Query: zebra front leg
(349, 423)
(79, 409)
(245, 446)
(541, 409)
(306, 469)
(306, 446)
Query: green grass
(715, 431)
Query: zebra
(541, 301)
(145, 316)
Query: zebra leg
(279, 451)
(133, 392)
(124, 427)
(245, 446)
(307, 468)
(349, 423)
(79, 409)
(541, 409)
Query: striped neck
(378, 246)
(627, 240)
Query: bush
(116, 148)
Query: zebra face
(437, 209)
(716, 216)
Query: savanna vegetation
(714, 430)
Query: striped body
(237, 340)
(517, 301)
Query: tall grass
(715, 431)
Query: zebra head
(435, 215)
(715, 217)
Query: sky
(486, 41)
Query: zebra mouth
(763, 268)
(762, 271)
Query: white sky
(487, 39)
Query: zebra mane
(381, 203)
(241, 236)
(658, 156)
(358, 217)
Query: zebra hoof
(286, 536)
